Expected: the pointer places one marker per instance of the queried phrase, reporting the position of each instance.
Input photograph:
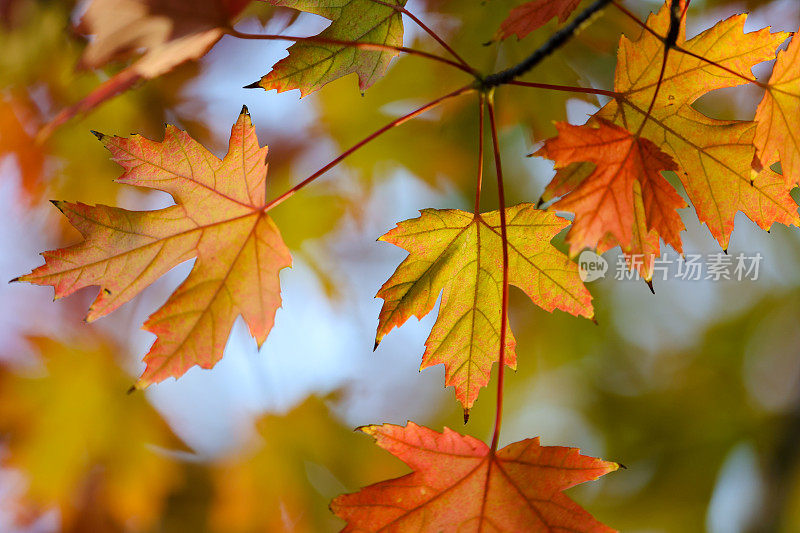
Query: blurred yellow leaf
(84, 444)
(285, 481)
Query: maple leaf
(219, 217)
(644, 246)
(530, 16)
(640, 254)
(169, 33)
(458, 484)
(778, 115)
(311, 65)
(460, 254)
(567, 178)
(604, 200)
(714, 156)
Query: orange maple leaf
(605, 201)
(219, 217)
(778, 116)
(644, 246)
(459, 484)
(460, 254)
(530, 16)
(714, 156)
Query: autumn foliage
(219, 216)
(625, 178)
(458, 483)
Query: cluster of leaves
(609, 174)
(652, 127)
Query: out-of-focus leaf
(83, 445)
(17, 116)
(170, 33)
(531, 16)
(39, 67)
(284, 481)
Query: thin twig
(479, 184)
(501, 199)
(556, 41)
(429, 31)
(635, 19)
(397, 122)
(566, 88)
(655, 93)
(682, 50)
(670, 42)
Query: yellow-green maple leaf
(311, 65)
(460, 254)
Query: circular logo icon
(591, 266)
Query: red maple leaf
(460, 484)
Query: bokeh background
(696, 389)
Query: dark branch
(554, 43)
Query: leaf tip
(254, 85)
(650, 285)
(131, 389)
(466, 416)
(368, 429)
(245, 111)
(97, 134)
(18, 278)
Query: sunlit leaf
(460, 254)
(219, 217)
(458, 484)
